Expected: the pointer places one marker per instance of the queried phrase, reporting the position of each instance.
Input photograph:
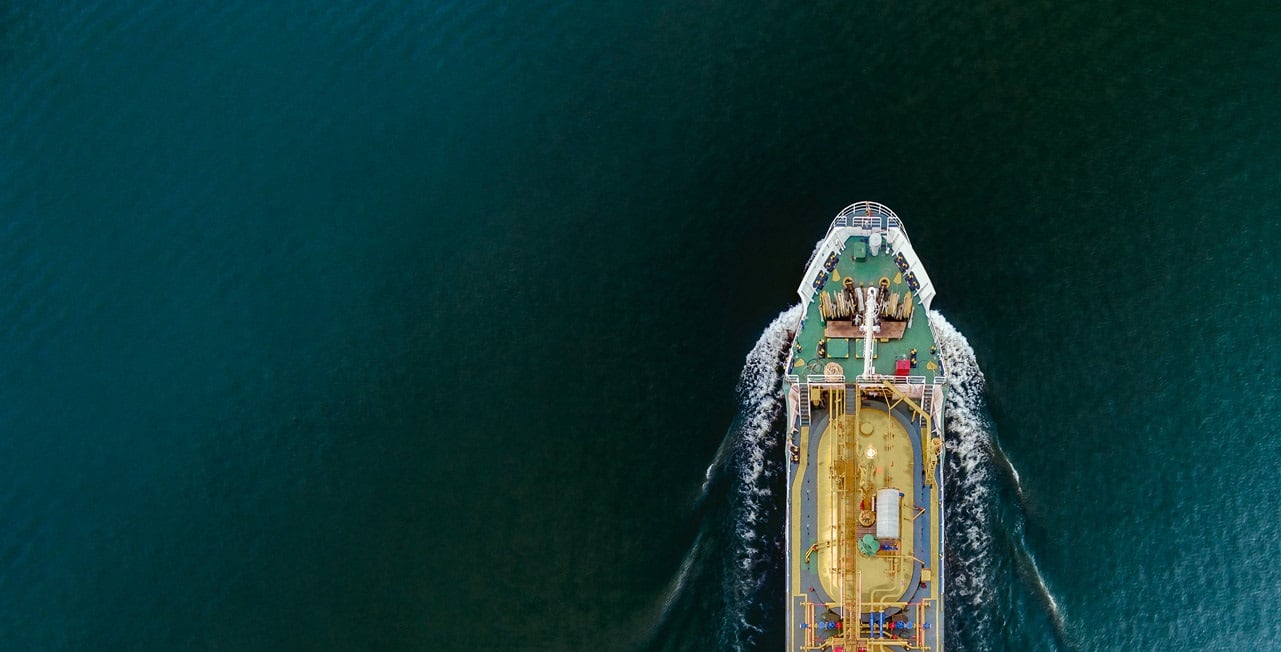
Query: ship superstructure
(865, 390)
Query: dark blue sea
(453, 326)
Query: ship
(865, 391)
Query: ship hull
(865, 393)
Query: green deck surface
(867, 271)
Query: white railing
(825, 379)
(864, 217)
(928, 393)
(893, 380)
(794, 380)
(867, 215)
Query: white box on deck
(887, 504)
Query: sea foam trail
(756, 458)
(970, 507)
(746, 536)
(973, 521)
(726, 577)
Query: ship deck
(827, 572)
(856, 430)
(805, 359)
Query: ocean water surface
(455, 326)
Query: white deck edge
(862, 219)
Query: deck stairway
(804, 403)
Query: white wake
(750, 460)
(971, 510)
(970, 504)
(755, 453)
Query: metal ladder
(804, 403)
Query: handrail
(824, 379)
(897, 380)
(868, 215)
